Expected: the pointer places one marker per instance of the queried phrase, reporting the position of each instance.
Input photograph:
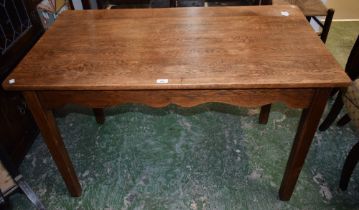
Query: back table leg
(306, 129)
(100, 115)
(264, 114)
(51, 135)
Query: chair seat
(351, 102)
(309, 7)
(7, 184)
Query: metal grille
(14, 22)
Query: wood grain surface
(194, 48)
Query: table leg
(51, 135)
(264, 114)
(306, 129)
(100, 115)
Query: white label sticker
(11, 81)
(284, 13)
(162, 81)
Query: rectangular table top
(194, 48)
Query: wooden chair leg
(327, 24)
(333, 113)
(349, 166)
(343, 121)
(100, 115)
(264, 114)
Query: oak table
(244, 56)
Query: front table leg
(306, 129)
(51, 135)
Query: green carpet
(213, 156)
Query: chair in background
(350, 99)
(352, 69)
(11, 181)
(311, 10)
(349, 165)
